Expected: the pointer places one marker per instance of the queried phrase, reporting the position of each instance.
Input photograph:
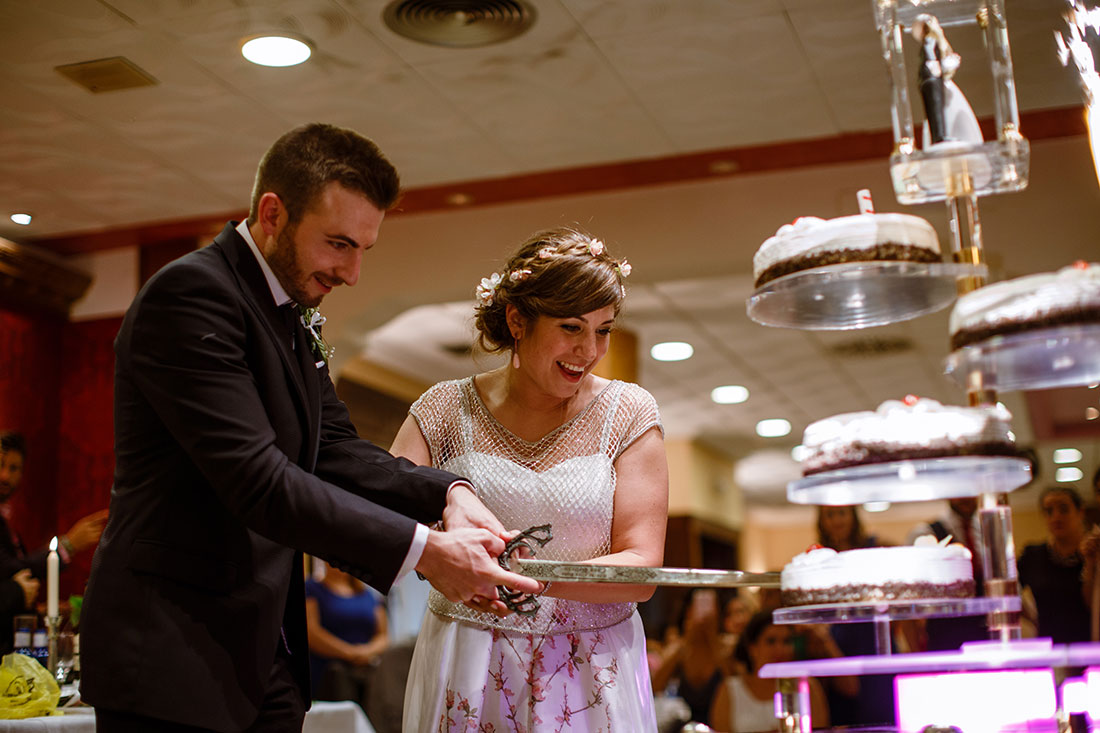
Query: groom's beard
(288, 269)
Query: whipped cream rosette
(1069, 296)
(912, 428)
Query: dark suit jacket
(13, 558)
(230, 450)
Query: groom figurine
(234, 456)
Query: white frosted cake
(812, 242)
(1071, 295)
(912, 428)
(925, 570)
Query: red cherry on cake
(911, 400)
(1081, 265)
(815, 546)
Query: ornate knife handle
(525, 604)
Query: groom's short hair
(299, 165)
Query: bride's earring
(515, 354)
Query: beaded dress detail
(567, 479)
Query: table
(323, 717)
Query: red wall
(56, 387)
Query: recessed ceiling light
(672, 351)
(276, 50)
(876, 506)
(774, 427)
(1067, 455)
(21, 219)
(1068, 473)
(1091, 413)
(729, 394)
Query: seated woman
(746, 702)
(694, 656)
(346, 622)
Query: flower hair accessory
(595, 248)
(546, 253)
(518, 276)
(488, 288)
(624, 268)
(313, 320)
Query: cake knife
(555, 571)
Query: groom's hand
(462, 565)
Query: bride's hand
(465, 510)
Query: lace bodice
(566, 478)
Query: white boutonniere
(313, 320)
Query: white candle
(53, 565)
(866, 206)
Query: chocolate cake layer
(888, 252)
(1066, 317)
(869, 455)
(863, 593)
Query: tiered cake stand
(861, 295)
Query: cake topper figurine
(948, 115)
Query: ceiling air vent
(866, 347)
(459, 23)
(107, 75)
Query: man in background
(25, 570)
(960, 522)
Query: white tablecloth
(324, 717)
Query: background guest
(1092, 511)
(840, 528)
(692, 658)
(346, 623)
(13, 555)
(1052, 570)
(736, 613)
(746, 702)
(862, 701)
(960, 521)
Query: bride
(546, 441)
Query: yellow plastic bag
(27, 690)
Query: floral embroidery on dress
(540, 684)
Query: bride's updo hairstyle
(560, 273)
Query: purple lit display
(1024, 701)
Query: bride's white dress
(573, 665)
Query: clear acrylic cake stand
(881, 613)
(854, 295)
(1063, 356)
(912, 480)
(952, 169)
(974, 656)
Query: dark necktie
(291, 318)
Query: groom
(234, 456)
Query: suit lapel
(298, 361)
(307, 369)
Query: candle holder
(53, 629)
